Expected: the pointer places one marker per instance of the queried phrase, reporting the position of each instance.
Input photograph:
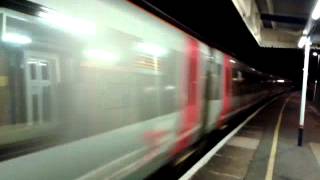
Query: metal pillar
(315, 90)
(316, 81)
(304, 91)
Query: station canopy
(278, 23)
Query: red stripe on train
(191, 112)
(227, 90)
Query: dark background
(218, 24)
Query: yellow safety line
(274, 147)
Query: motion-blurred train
(101, 89)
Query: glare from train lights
(232, 61)
(16, 38)
(169, 87)
(303, 40)
(315, 54)
(316, 11)
(98, 54)
(280, 81)
(152, 49)
(67, 23)
(43, 64)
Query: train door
(214, 89)
(206, 96)
(39, 77)
(206, 79)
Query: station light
(303, 40)
(232, 61)
(16, 38)
(315, 54)
(316, 11)
(280, 81)
(305, 32)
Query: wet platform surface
(248, 155)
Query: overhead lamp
(316, 11)
(315, 54)
(303, 40)
(151, 49)
(16, 38)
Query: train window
(237, 82)
(252, 82)
(214, 80)
(169, 89)
(216, 75)
(44, 70)
(46, 103)
(32, 67)
(217, 81)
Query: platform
(263, 150)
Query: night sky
(218, 24)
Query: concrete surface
(247, 154)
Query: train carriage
(104, 90)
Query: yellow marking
(3, 81)
(274, 147)
(223, 127)
(183, 158)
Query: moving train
(104, 90)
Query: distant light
(253, 69)
(16, 38)
(280, 81)
(316, 11)
(98, 54)
(315, 54)
(232, 61)
(152, 49)
(66, 23)
(303, 40)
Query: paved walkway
(249, 154)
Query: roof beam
(265, 37)
(284, 19)
(271, 10)
(250, 15)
